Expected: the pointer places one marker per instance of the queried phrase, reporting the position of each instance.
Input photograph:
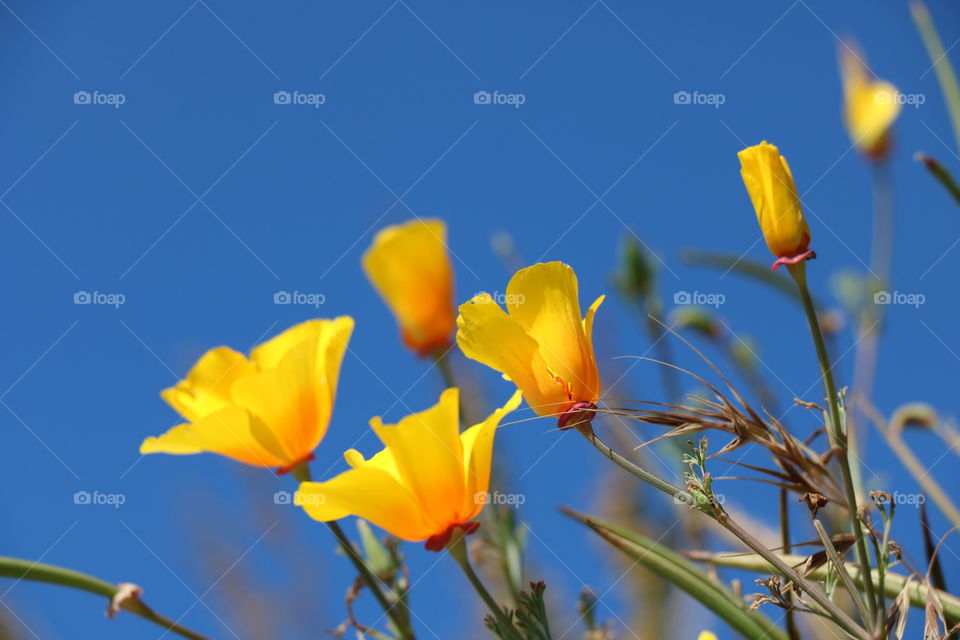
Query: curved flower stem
(457, 548)
(839, 441)
(586, 430)
(399, 612)
(718, 514)
(39, 572)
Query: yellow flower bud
(769, 182)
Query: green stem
(838, 438)
(678, 494)
(892, 583)
(871, 316)
(941, 63)
(508, 551)
(443, 364)
(684, 575)
(398, 612)
(841, 568)
(457, 548)
(791, 621)
(441, 355)
(39, 572)
(838, 615)
(718, 514)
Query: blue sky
(182, 186)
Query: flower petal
(429, 457)
(588, 321)
(230, 432)
(543, 299)
(488, 335)
(207, 387)
(769, 181)
(294, 390)
(477, 455)
(368, 493)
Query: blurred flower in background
(870, 105)
(409, 266)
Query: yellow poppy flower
(428, 481)
(541, 342)
(707, 635)
(271, 410)
(409, 266)
(769, 182)
(870, 105)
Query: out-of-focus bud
(698, 319)
(870, 105)
(637, 276)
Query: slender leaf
(685, 575)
